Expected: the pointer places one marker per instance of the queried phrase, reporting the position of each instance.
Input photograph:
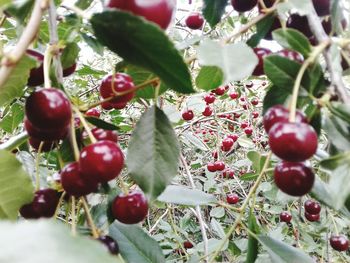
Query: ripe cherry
(232, 198)
(339, 242)
(187, 245)
(255, 114)
(70, 70)
(219, 165)
(194, 21)
(157, 11)
(110, 244)
(211, 167)
(293, 178)
(294, 142)
(130, 208)
(312, 207)
(248, 131)
(243, 5)
(101, 161)
(285, 217)
(187, 115)
(36, 76)
(208, 111)
(322, 7)
(261, 53)
(209, 98)
(227, 143)
(94, 112)
(228, 173)
(101, 134)
(244, 125)
(45, 135)
(234, 95)
(108, 106)
(214, 154)
(291, 54)
(299, 23)
(312, 218)
(220, 90)
(249, 84)
(254, 101)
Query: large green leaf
(262, 27)
(20, 9)
(209, 78)
(15, 84)
(274, 96)
(213, 11)
(16, 187)
(135, 245)
(143, 44)
(12, 118)
(48, 241)
(70, 54)
(153, 153)
(257, 159)
(253, 244)
(293, 39)
(339, 179)
(338, 132)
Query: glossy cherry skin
(279, 113)
(211, 167)
(255, 114)
(101, 135)
(48, 109)
(312, 207)
(188, 245)
(188, 115)
(120, 82)
(248, 131)
(94, 112)
(208, 111)
(244, 125)
(70, 70)
(108, 106)
(45, 135)
(299, 23)
(46, 147)
(254, 102)
(243, 5)
(228, 173)
(312, 218)
(131, 208)
(293, 178)
(101, 161)
(157, 11)
(110, 244)
(285, 217)
(209, 98)
(219, 166)
(234, 137)
(261, 53)
(73, 183)
(322, 7)
(339, 243)
(294, 142)
(44, 204)
(36, 76)
(291, 54)
(232, 198)
(234, 95)
(194, 21)
(219, 91)
(227, 143)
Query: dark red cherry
(219, 166)
(70, 70)
(101, 161)
(94, 112)
(208, 111)
(255, 114)
(211, 167)
(279, 113)
(322, 7)
(234, 95)
(131, 208)
(312, 207)
(158, 11)
(339, 242)
(219, 91)
(243, 5)
(108, 106)
(312, 218)
(299, 23)
(73, 183)
(293, 178)
(254, 101)
(188, 115)
(101, 134)
(45, 135)
(227, 143)
(36, 76)
(194, 21)
(291, 54)
(248, 131)
(110, 243)
(232, 198)
(285, 217)
(48, 109)
(209, 98)
(46, 147)
(234, 137)
(244, 125)
(188, 245)
(261, 53)
(294, 142)
(214, 154)
(228, 173)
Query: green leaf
(262, 28)
(184, 196)
(213, 11)
(93, 43)
(49, 241)
(338, 132)
(16, 186)
(253, 244)
(102, 124)
(335, 161)
(339, 185)
(293, 39)
(143, 44)
(20, 9)
(340, 110)
(135, 245)
(257, 159)
(153, 153)
(274, 96)
(280, 252)
(86, 70)
(12, 118)
(249, 176)
(209, 78)
(15, 84)
(83, 4)
(70, 54)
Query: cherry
(249, 84)
(245, 106)
(234, 137)
(237, 115)
(312, 218)
(211, 167)
(101, 161)
(209, 98)
(322, 7)
(242, 99)
(220, 91)
(101, 134)
(312, 207)
(279, 113)
(36, 76)
(243, 5)
(214, 154)
(187, 245)
(44, 204)
(108, 106)
(110, 243)
(299, 23)
(208, 111)
(70, 70)
(120, 82)
(291, 54)
(130, 208)
(157, 11)
(73, 182)
(187, 115)
(77, 122)
(254, 101)
(244, 125)
(219, 165)
(94, 112)
(293, 178)
(232, 198)
(46, 147)
(294, 142)
(194, 20)
(227, 143)
(339, 242)
(248, 131)
(260, 53)
(228, 173)
(285, 217)
(255, 114)
(45, 135)
(234, 95)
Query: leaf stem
(85, 124)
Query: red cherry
(248, 131)
(36, 76)
(220, 91)
(46, 147)
(312, 207)
(322, 7)
(234, 137)
(108, 106)
(48, 109)
(110, 244)
(101, 161)
(211, 167)
(209, 98)
(77, 122)
(285, 217)
(219, 165)
(188, 115)
(214, 154)
(73, 183)
(254, 102)
(242, 99)
(188, 245)
(295, 179)
(244, 125)
(243, 5)
(131, 208)
(237, 115)
(157, 11)
(261, 53)
(249, 84)
(312, 218)
(228, 173)
(255, 114)
(339, 242)
(299, 23)
(70, 70)
(101, 134)
(44, 135)
(294, 142)
(291, 54)
(208, 111)
(194, 21)
(94, 112)
(234, 95)
(227, 143)
(232, 198)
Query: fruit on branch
(157, 11)
(312, 207)
(36, 76)
(45, 135)
(208, 111)
(294, 178)
(101, 161)
(243, 5)
(108, 106)
(117, 83)
(285, 217)
(322, 7)
(260, 53)
(228, 173)
(291, 54)
(244, 125)
(187, 245)
(312, 218)
(110, 244)
(130, 208)
(70, 70)
(94, 112)
(234, 137)
(46, 147)
(232, 198)
(211, 167)
(248, 131)
(249, 84)
(209, 98)
(219, 166)
(44, 204)
(279, 113)
(194, 20)
(219, 91)
(255, 114)
(339, 242)
(187, 115)
(227, 143)
(254, 101)
(234, 95)
(299, 23)
(101, 134)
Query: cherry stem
(73, 217)
(73, 139)
(89, 218)
(123, 186)
(85, 124)
(37, 161)
(47, 63)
